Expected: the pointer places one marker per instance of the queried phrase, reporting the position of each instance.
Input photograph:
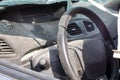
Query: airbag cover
(94, 57)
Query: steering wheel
(64, 51)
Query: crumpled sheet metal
(6, 3)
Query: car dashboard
(34, 22)
(33, 29)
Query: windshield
(5, 3)
(99, 1)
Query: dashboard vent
(5, 50)
(74, 29)
(89, 26)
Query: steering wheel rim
(62, 35)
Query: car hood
(6, 3)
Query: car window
(99, 1)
